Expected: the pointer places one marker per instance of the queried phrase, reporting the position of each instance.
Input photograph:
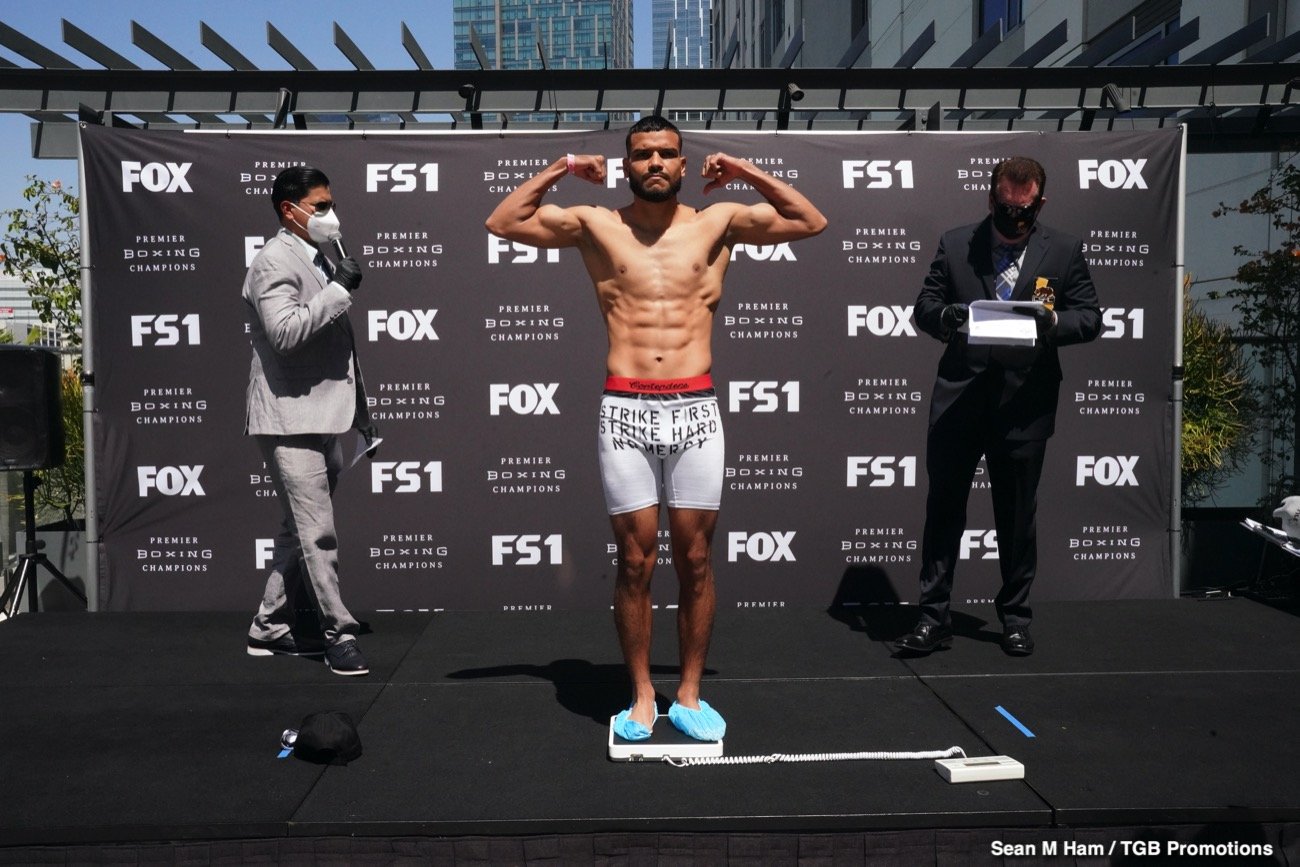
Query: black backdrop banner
(484, 361)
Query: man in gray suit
(304, 390)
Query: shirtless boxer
(657, 267)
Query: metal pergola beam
(1207, 97)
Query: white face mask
(322, 228)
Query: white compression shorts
(657, 433)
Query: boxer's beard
(658, 195)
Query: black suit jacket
(1022, 382)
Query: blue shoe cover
(704, 724)
(629, 729)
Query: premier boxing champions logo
(523, 323)
(879, 545)
(404, 401)
(1104, 542)
(976, 176)
(258, 178)
(880, 245)
(174, 554)
(164, 405)
(406, 552)
(525, 474)
(663, 550)
(1115, 247)
(881, 396)
(409, 249)
(1109, 397)
(763, 321)
(763, 472)
(161, 254)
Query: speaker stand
(31, 559)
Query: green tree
(43, 249)
(1267, 300)
(1219, 404)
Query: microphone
(337, 240)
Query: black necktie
(323, 264)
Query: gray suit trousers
(305, 469)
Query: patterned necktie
(323, 264)
(1007, 263)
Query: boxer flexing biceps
(657, 267)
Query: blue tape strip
(1015, 722)
(284, 754)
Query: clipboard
(996, 323)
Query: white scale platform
(665, 741)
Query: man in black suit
(996, 401)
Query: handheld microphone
(337, 240)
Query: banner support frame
(88, 390)
(1176, 378)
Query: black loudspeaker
(31, 409)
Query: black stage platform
(154, 738)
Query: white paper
(363, 447)
(994, 323)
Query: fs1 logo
(253, 245)
(401, 177)
(409, 476)
(892, 321)
(974, 541)
(771, 547)
(769, 253)
(166, 329)
(527, 549)
(263, 551)
(1112, 174)
(881, 470)
(521, 254)
(182, 481)
(156, 177)
(1114, 471)
(879, 174)
(401, 324)
(535, 399)
(765, 395)
(1114, 326)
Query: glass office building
(688, 23)
(572, 34)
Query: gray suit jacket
(304, 377)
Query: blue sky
(374, 26)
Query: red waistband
(639, 385)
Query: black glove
(370, 433)
(1044, 318)
(347, 273)
(954, 316)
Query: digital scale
(665, 742)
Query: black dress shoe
(1017, 641)
(345, 658)
(286, 645)
(926, 637)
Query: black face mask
(1013, 222)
